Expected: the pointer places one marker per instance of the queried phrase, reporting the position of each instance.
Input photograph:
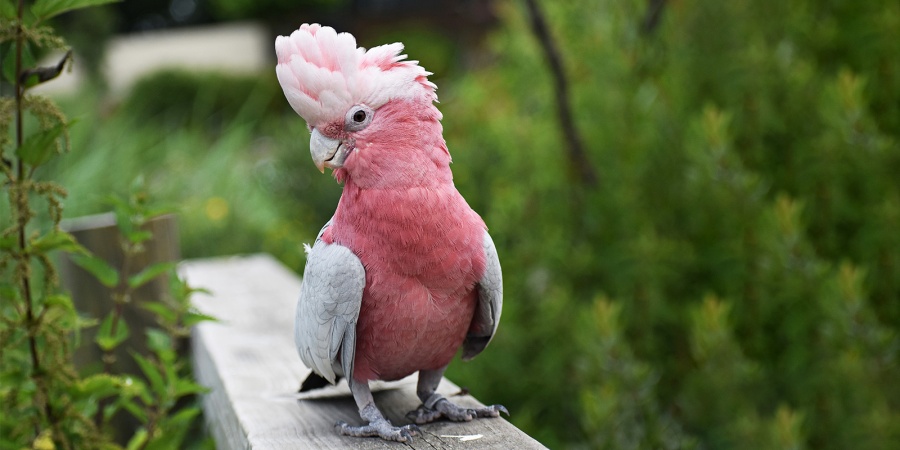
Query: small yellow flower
(216, 208)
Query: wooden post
(249, 362)
(100, 235)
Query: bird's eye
(358, 117)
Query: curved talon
(492, 411)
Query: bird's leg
(435, 406)
(378, 425)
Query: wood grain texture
(249, 361)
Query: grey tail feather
(315, 381)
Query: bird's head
(371, 113)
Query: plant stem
(122, 291)
(37, 373)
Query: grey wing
(328, 309)
(490, 303)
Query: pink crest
(323, 73)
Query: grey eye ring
(358, 117)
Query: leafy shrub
(740, 228)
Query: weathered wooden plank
(249, 361)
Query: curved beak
(325, 151)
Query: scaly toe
(423, 415)
(380, 428)
(454, 412)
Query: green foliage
(742, 156)
(45, 402)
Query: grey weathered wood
(250, 363)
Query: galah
(405, 273)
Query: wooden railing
(249, 362)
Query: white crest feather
(323, 73)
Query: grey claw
(503, 409)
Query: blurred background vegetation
(730, 280)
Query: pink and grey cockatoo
(404, 273)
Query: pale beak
(325, 151)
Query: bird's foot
(439, 407)
(381, 428)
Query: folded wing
(328, 309)
(490, 303)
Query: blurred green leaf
(46, 9)
(192, 318)
(100, 269)
(165, 312)
(9, 61)
(138, 440)
(99, 385)
(8, 241)
(8, 10)
(150, 273)
(186, 386)
(63, 304)
(107, 338)
(40, 146)
(138, 236)
(138, 411)
(57, 240)
(176, 426)
(157, 381)
(159, 341)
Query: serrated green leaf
(185, 415)
(135, 387)
(8, 291)
(157, 382)
(46, 9)
(59, 301)
(186, 386)
(40, 146)
(137, 441)
(8, 242)
(149, 273)
(124, 216)
(105, 274)
(8, 10)
(163, 312)
(107, 338)
(86, 322)
(138, 236)
(9, 61)
(192, 318)
(136, 410)
(158, 341)
(176, 427)
(56, 240)
(60, 308)
(100, 385)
